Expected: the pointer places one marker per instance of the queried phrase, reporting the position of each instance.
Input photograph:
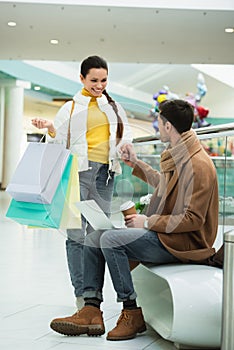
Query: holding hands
(129, 157)
(128, 154)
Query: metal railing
(227, 340)
(207, 132)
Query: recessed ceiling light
(11, 24)
(37, 88)
(54, 41)
(229, 30)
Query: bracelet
(52, 134)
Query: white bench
(182, 302)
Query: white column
(13, 131)
(2, 109)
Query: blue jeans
(93, 185)
(116, 247)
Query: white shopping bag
(38, 173)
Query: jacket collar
(84, 100)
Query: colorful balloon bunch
(200, 112)
(162, 95)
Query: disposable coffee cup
(128, 208)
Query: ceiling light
(11, 24)
(37, 88)
(54, 41)
(229, 30)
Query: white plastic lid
(127, 205)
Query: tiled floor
(35, 288)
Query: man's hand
(128, 155)
(135, 220)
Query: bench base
(182, 302)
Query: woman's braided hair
(98, 62)
(120, 126)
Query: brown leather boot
(128, 325)
(86, 321)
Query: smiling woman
(95, 81)
(98, 128)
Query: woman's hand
(43, 123)
(135, 220)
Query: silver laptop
(95, 216)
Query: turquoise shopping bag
(42, 215)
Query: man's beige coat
(184, 207)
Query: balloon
(202, 112)
(161, 98)
(201, 86)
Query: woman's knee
(75, 236)
(93, 239)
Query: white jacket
(78, 141)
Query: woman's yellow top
(98, 132)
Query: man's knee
(108, 239)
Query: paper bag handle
(69, 126)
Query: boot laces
(124, 317)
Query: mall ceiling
(149, 47)
(120, 34)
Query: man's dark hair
(179, 113)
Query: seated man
(179, 226)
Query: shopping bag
(71, 217)
(42, 215)
(38, 173)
